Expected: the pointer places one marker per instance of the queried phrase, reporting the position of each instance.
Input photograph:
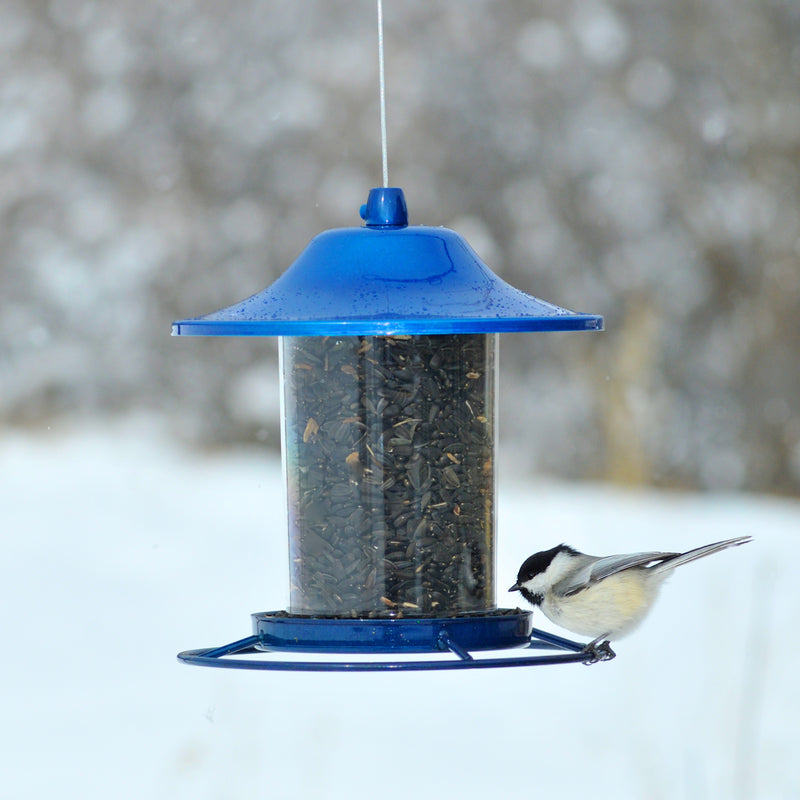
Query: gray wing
(601, 568)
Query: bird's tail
(700, 552)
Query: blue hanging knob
(385, 208)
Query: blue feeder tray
(278, 632)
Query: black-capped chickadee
(604, 598)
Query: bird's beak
(514, 588)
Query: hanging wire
(382, 79)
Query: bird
(604, 597)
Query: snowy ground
(120, 548)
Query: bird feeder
(388, 370)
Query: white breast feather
(612, 607)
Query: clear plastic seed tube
(388, 448)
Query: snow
(121, 548)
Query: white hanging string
(382, 78)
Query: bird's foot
(598, 651)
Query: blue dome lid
(387, 278)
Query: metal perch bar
(572, 652)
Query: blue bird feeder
(388, 353)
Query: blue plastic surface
(387, 278)
(492, 631)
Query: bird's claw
(598, 651)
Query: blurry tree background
(634, 158)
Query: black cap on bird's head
(536, 565)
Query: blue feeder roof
(387, 278)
